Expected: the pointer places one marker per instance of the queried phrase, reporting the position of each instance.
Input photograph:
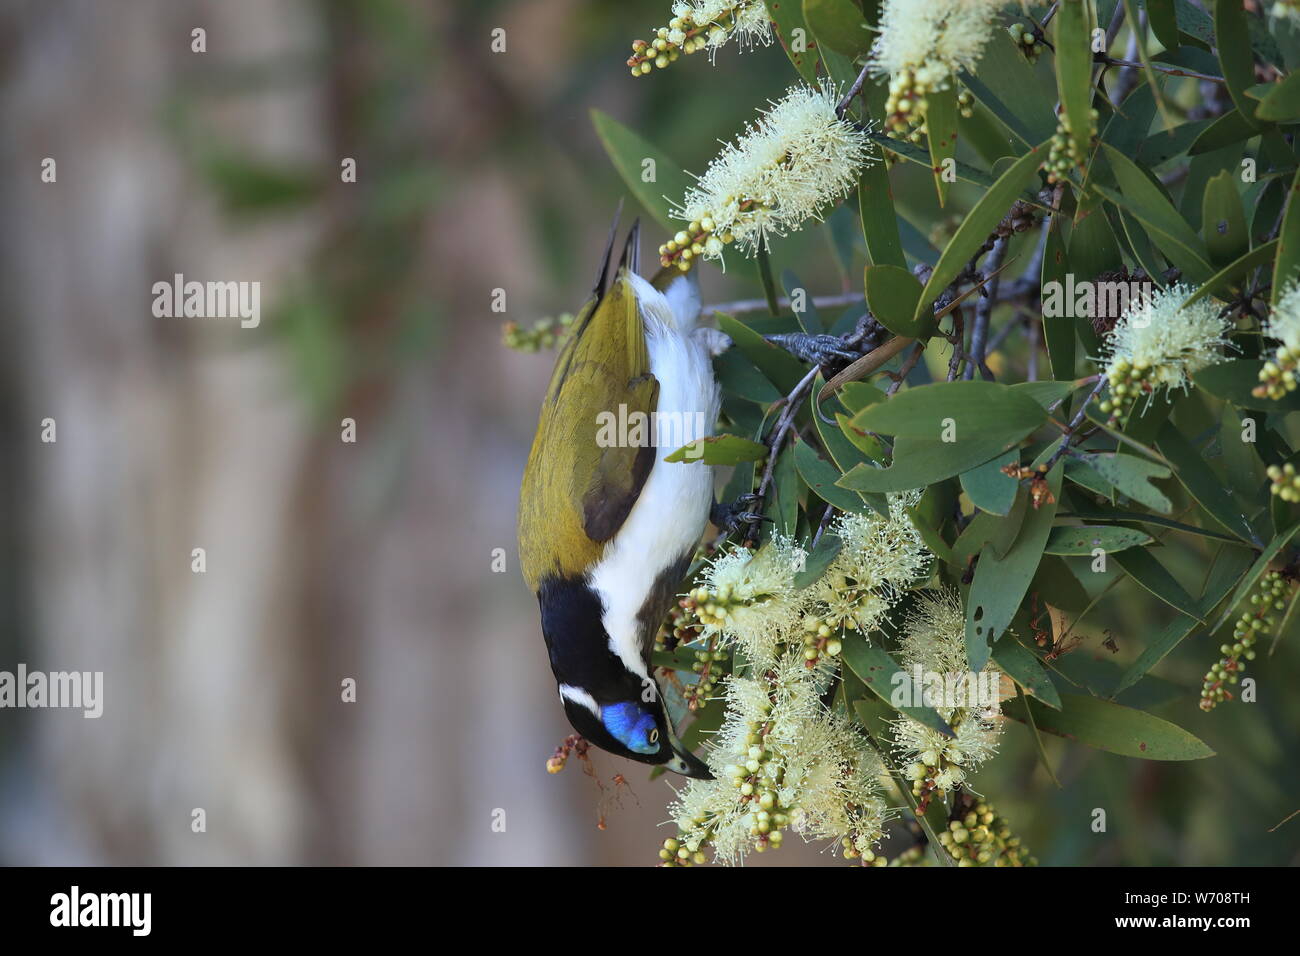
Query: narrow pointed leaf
(1111, 727)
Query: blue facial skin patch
(631, 726)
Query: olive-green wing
(582, 477)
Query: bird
(607, 530)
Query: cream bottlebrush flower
(1278, 376)
(702, 24)
(749, 597)
(921, 46)
(879, 559)
(792, 162)
(1158, 343)
(934, 641)
(781, 761)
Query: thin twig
(829, 514)
(1002, 334)
(742, 306)
(854, 90)
(1067, 434)
(1171, 70)
(983, 312)
(905, 369)
(792, 403)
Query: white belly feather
(670, 514)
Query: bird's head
(634, 724)
(608, 697)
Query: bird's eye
(654, 736)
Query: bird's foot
(736, 515)
(819, 349)
(832, 352)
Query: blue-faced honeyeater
(607, 529)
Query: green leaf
(1288, 250)
(879, 222)
(738, 376)
(1152, 78)
(702, 728)
(1110, 727)
(872, 715)
(1073, 33)
(884, 678)
(918, 463)
(855, 396)
(1045, 394)
(1084, 475)
(1282, 103)
(991, 532)
(1223, 221)
(1058, 330)
(1290, 622)
(1093, 248)
(792, 31)
(977, 225)
(1191, 469)
(816, 563)
(782, 504)
(1023, 667)
(781, 368)
(1147, 203)
(1234, 381)
(629, 152)
(867, 443)
(987, 136)
(1226, 277)
(1090, 512)
(915, 154)
(1020, 94)
(1164, 22)
(959, 410)
(1069, 540)
(1157, 148)
(1229, 128)
(720, 450)
(1232, 37)
(1144, 568)
(840, 69)
(1251, 577)
(1229, 563)
(838, 24)
(892, 295)
(1132, 476)
(1000, 584)
(820, 476)
(844, 454)
(989, 488)
(941, 135)
(928, 531)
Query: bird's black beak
(686, 763)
